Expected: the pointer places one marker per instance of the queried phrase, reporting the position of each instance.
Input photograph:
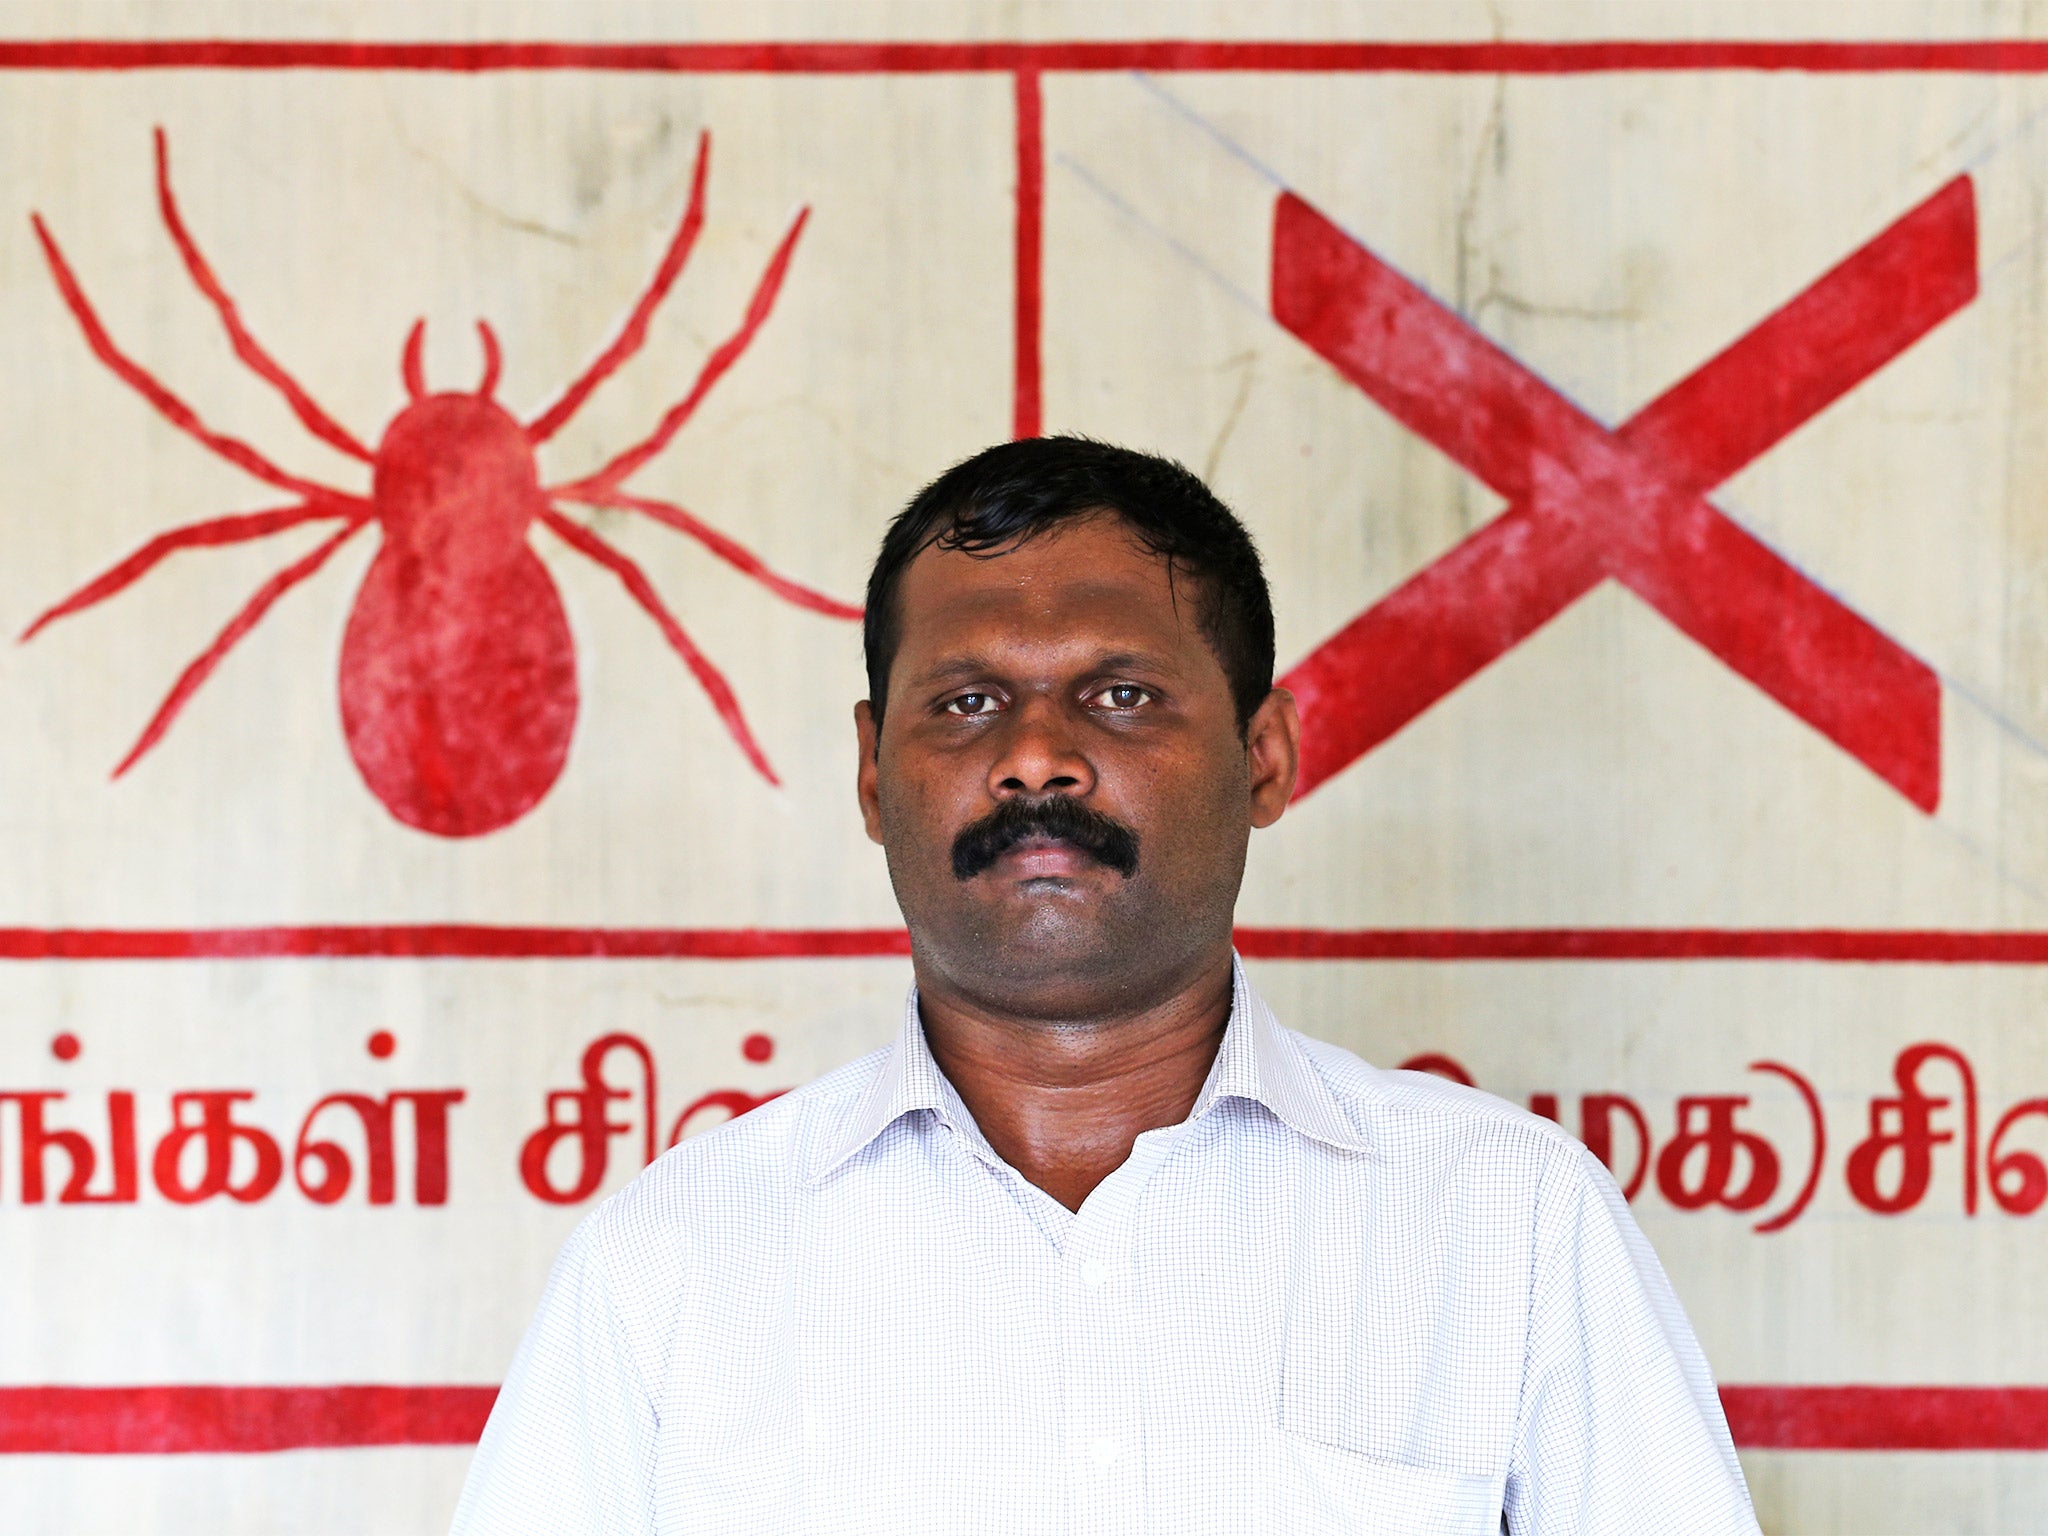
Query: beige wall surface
(1641, 409)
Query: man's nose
(1038, 753)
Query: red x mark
(1587, 503)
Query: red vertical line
(1026, 399)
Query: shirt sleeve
(570, 1442)
(1620, 1428)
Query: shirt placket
(1099, 1340)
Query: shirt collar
(1258, 1061)
(910, 1079)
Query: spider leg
(237, 529)
(635, 581)
(202, 665)
(144, 383)
(634, 333)
(727, 353)
(247, 348)
(731, 551)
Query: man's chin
(1059, 919)
(1042, 933)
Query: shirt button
(1094, 1273)
(1102, 1451)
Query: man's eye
(1124, 696)
(971, 704)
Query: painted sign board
(441, 480)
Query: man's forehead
(1093, 558)
(1093, 598)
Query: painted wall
(439, 476)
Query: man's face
(1065, 672)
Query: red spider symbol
(458, 671)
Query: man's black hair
(1016, 491)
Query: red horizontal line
(480, 941)
(1976, 56)
(1861, 1418)
(118, 1421)
(449, 941)
(1877, 945)
(184, 1419)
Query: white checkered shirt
(1332, 1299)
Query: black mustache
(1058, 818)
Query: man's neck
(1063, 1102)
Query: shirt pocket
(1310, 1489)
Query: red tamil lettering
(430, 1107)
(582, 1116)
(336, 1171)
(216, 1133)
(38, 1140)
(1706, 1126)
(1818, 1121)
(2019, 1181)
(376, 1118)
(1903, 1127)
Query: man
(1096, 1245)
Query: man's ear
(869, 732)
(1272, 744)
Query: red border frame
(2015, 56)
(488, 941)
(156, 1420)
(191, 1418)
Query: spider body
(458, 671)
(455, 482)
(458, 681)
